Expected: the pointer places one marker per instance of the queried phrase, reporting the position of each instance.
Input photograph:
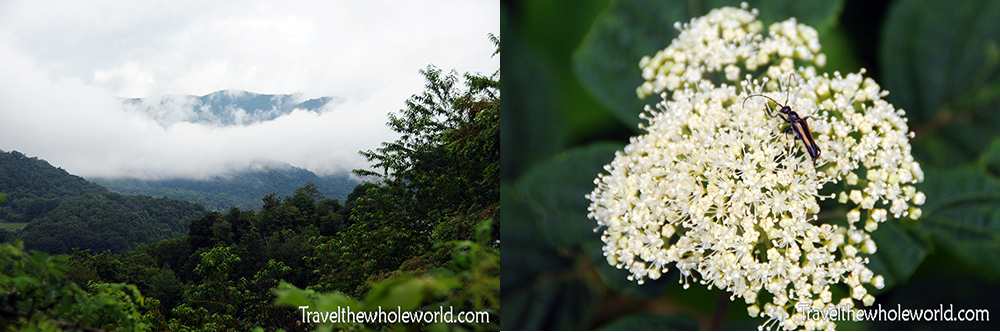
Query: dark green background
(570, 75)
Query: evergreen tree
(444, 164)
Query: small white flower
(868, 300)
(919, 198)
(853, 216)
(753, 310)
(717, 189)
(879, 215)
(878, 281)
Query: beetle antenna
(760, 95)
(788, 87)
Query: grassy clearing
(12, 225)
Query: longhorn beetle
(798, 124)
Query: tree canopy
(53, 211)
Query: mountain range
(243, 188)
(224, 107)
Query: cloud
(195, 47)
(86, 130)
(66, 65)
(130, 79)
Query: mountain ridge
(242, 189)
(223, 107)
(54, 211)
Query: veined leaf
(941, 63)
(961, 212)
(555, 191)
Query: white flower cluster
(729, 198)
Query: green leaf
(525, 255)
(555, 190)
(652, 323)
(607, 60)
(941, 63)
(934, 53)
(560, 305)
(532, 128)
(554, 38)
(961, 214)
(841, 53)
(531, 267)
(407, 294)
(547, 213)
(898, 254)
(291, 296)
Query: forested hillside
(34, 187)
(421, 237)
(54, 211)
(108, 221)
(242, 190)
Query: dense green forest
(108, 222)
(242, 190)
(53, 211)
(422, 237)
(33, 187)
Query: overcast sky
(64, 65)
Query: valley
(242, 189)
